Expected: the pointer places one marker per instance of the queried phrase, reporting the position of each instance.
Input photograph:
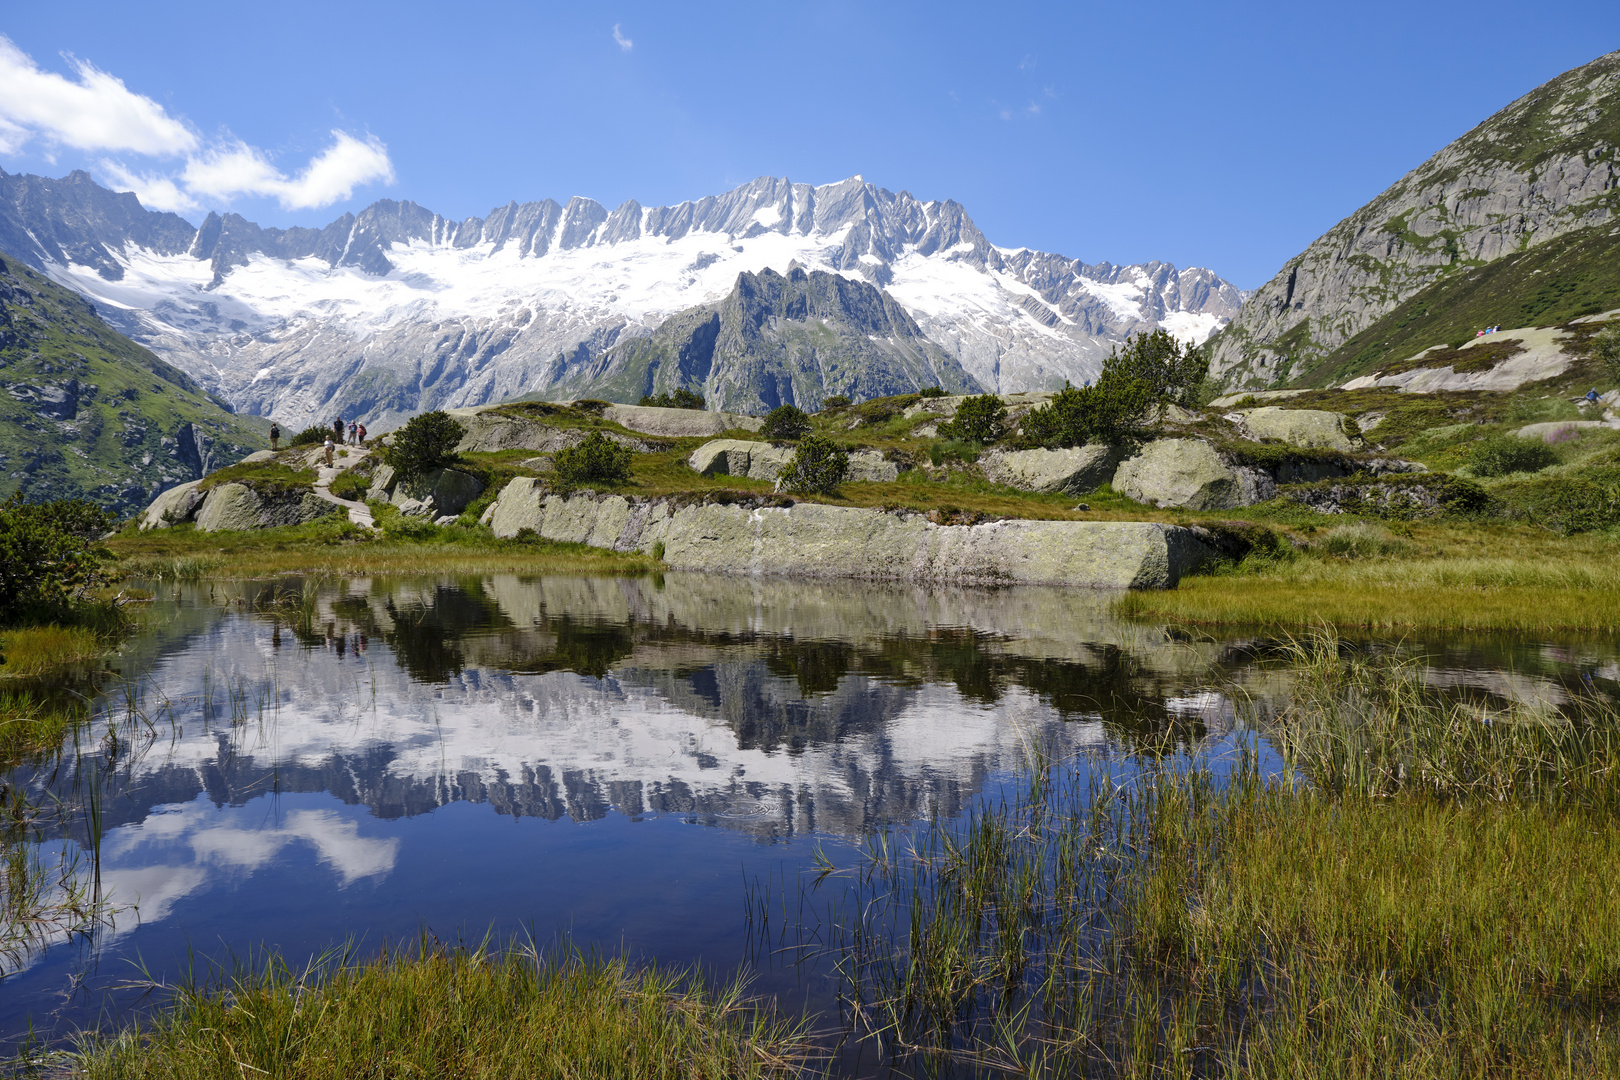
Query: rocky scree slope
(1540, 171)
(397, 310)
(87, 413)
(791, 339)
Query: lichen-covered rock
(237, 507)
(869, 466)
(678, 423)
(741, 457)
(489, 430)
(382, 483)
(1076, 471)
(1185, 473)
(436, 493)
(1305, 428)
(178, 504)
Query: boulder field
(816, 540)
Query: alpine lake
(682, 769)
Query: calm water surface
(614, 760)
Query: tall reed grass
(1420, 895)
(439, 1011)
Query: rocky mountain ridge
(398, 309)
(87, 413)
(1535, 172)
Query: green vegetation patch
(268, 478)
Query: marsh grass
(439, 1011)
(1446, 909)
(31, 651)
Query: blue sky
(1221, 135)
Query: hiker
(362, 429)
(352, 427)
(275, 435)
(337, 429)
(1591, 395)
(328, 449)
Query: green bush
(1606, 350)
(818, 466)
(1500, 455)
(311, 436)
(596, 458)
(1108, 412)
(1581, 502)
(426, 443)
(1172, 372)
(953, 450)
(836, 401)
(49, 557)
(682, 398)
(931, 392)
(785, 422)
(981, 419)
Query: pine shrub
(426, 443)
(818, 466)
(786, 422)
(596, 459)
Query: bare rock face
(237, 507)
(814, 540)
(436, 494)
(173, 507)
(1076, 471)
(740, 457)
(1538, 169)
(678, 423)
(1189, 473)
(1305, 428)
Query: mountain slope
(1538, 170)
(777, 340)
(85, 412)
(398, 309)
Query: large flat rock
(172, 507)
(237, 507)
(1187, 473)
(678, 423)
(1076, 471)
(815, 540)
(1305, 428)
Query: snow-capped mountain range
(398, 309)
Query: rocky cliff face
(778, 339)
(398, 309)
(1538, 170)
(87, 413)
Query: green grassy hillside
(85, 412)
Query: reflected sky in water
(607, 758)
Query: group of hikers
(355, 431)
(1488, 330)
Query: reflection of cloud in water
(235, 844)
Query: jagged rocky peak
(478, 310)
(1535, 171)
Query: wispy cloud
(623, 42)
(97, 113)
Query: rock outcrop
(678, 423)
(1188, 473)
(815, 540)
(1076, 471)
(1538, 169)
(763, 461)
(435, 494)
(234, 507)
(173, 507)
(1311, 429)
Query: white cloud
(623, 42)
(235, 169)
(96, 113)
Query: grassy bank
(1448, 577)
(333, 548)
(1426, 894)
(441, 1012)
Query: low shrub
(1606, 350)
(818, 466)
(425, 443)
(1585, 501)
(682, 398)
(596, 459)
(981, 419)
(313, 435)
(931, 392)
(836, 401)
(786, 422)
(954, 450)
(1500, 455)
(50, 557)
(1110, 411)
